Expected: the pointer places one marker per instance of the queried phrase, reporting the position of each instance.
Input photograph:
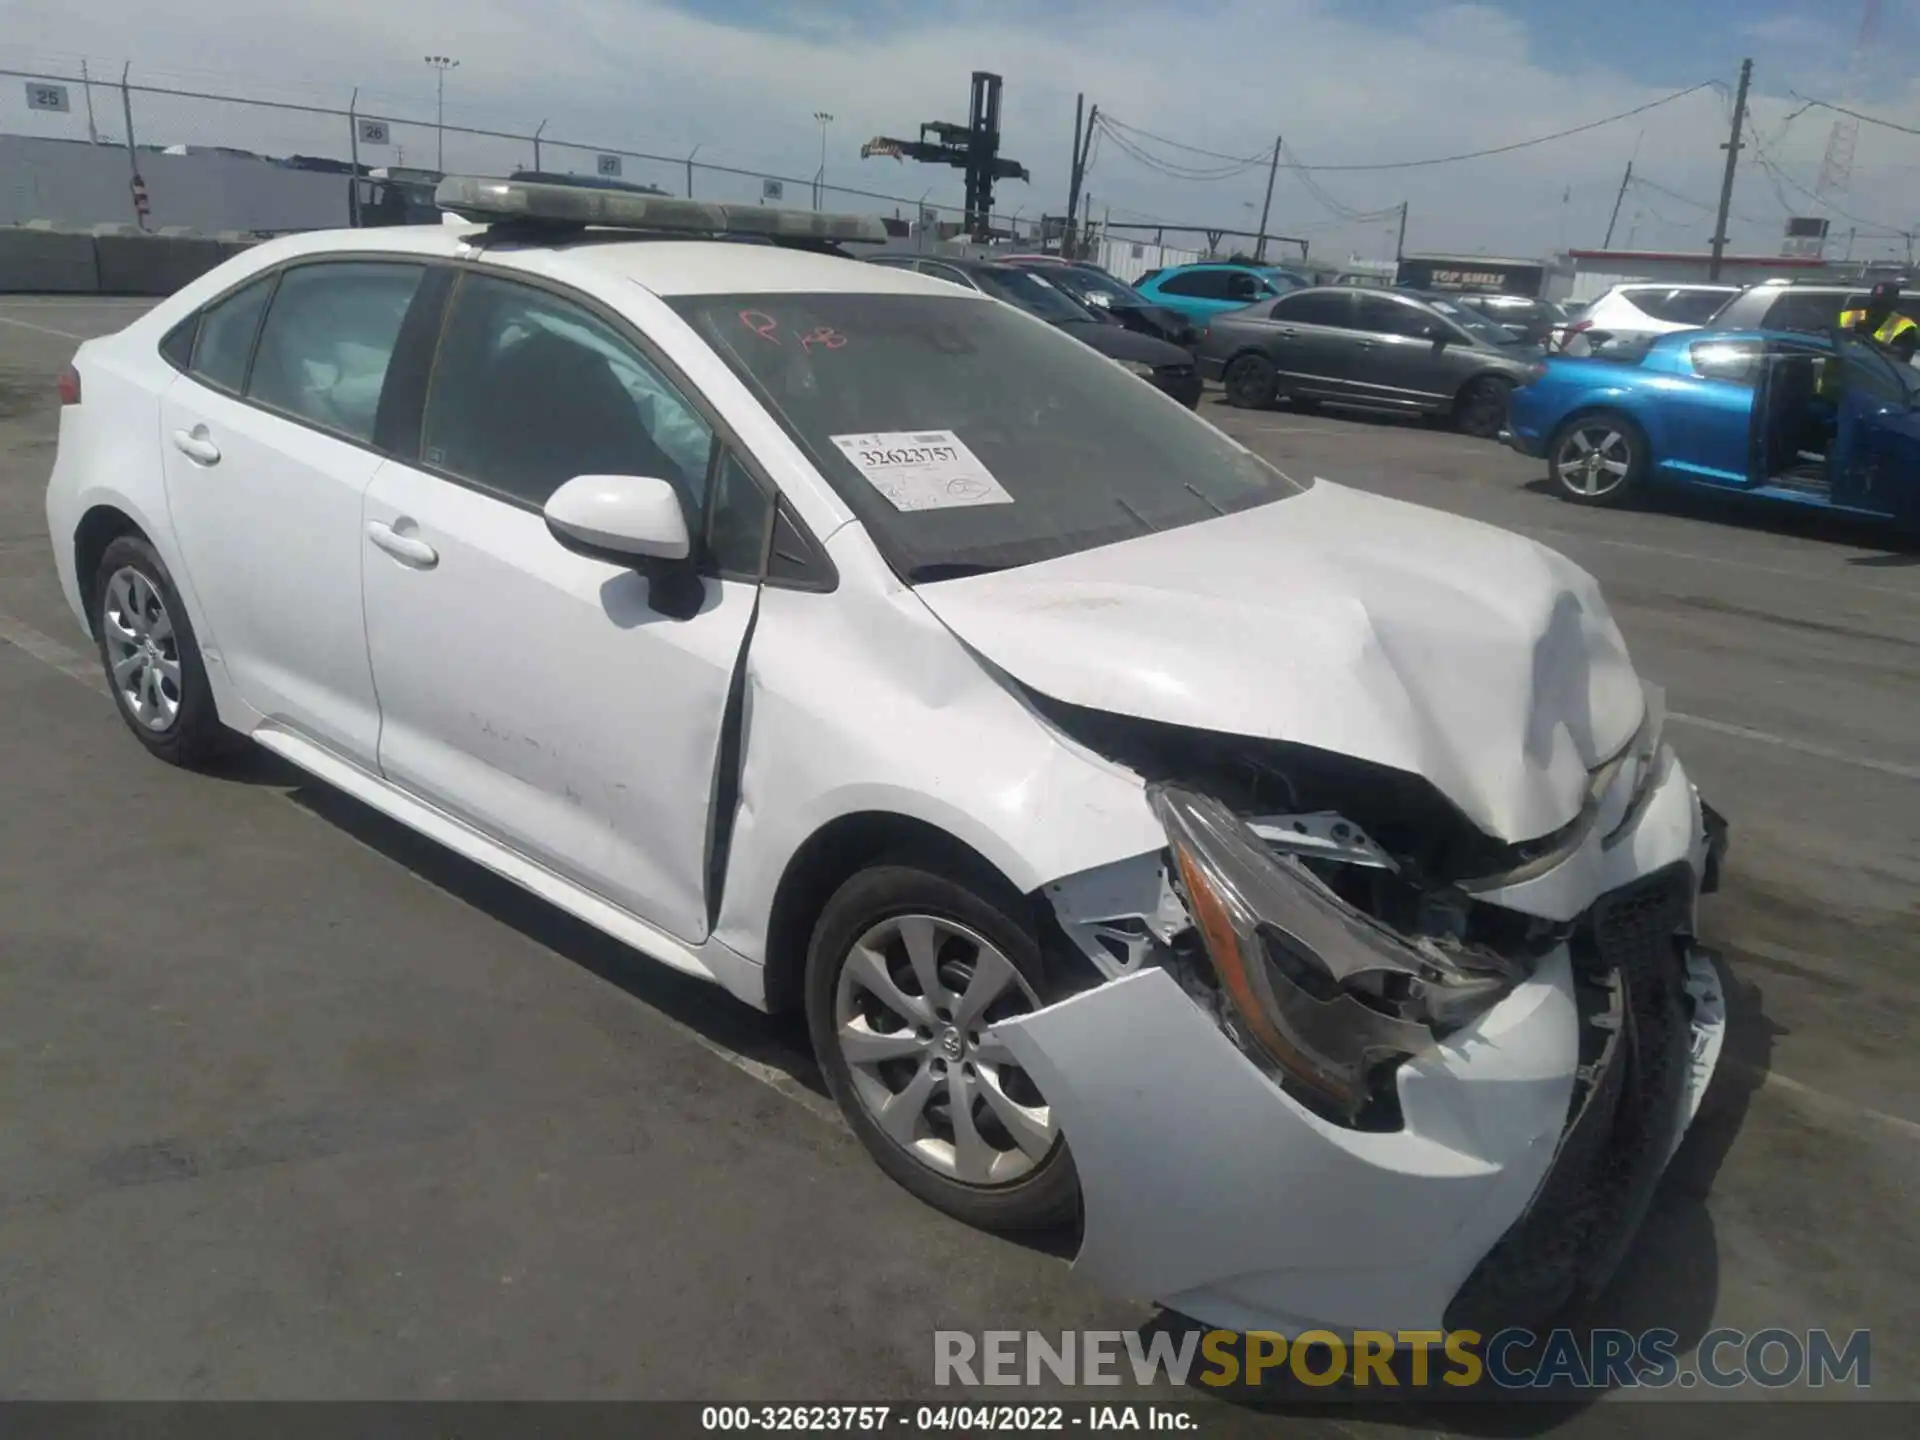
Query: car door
(1400, 354)
(269, 442)
(1876, 463)
(533, 692)
(1713, 419)
(1312, 342)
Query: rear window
(1679, 306)
(1809, 310)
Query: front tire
(1251, 382)
(151, 658)
(1598, 460)
(906, 975)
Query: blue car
(1828, 421)
(1202, 291)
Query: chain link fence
(327, 141)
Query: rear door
(270, 441)
(1313, 343)
(533, 692)
(1715, 419)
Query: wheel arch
(834, 853)
(99, 527)
(1587, 411)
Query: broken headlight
(1330, 996)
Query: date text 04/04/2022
(944, 1419)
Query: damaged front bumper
(1522, 1145)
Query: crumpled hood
(1341, 620)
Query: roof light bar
(495, 201)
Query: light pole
(441, 64)
(820, 177)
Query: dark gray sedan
(1381, 349)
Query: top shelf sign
(42, 96)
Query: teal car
(1202, 291)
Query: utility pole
(820, 176)
(138, 186)
(1079, 179)
(353, 153)
(690, 154)
(86, 83)
(1400, 242)
(1625, 180)
(1260, 244)
(441, 64)
(1073, 174)
(1732, 147)
(536, 145)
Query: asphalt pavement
(296, 1106)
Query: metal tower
(1836, 167)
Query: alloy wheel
(914, 1010)
(143, 654)
(1593, 460)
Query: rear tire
(151, 658)
(906, 973)
(1481, 409)
(1251, 381)
(1598, 459)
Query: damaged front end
(1330, 997)
(1516, 1080)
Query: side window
(531, 390)
(947, 273)
(1381, 316)
(1317, 307)
(1805, 311)
(1735, 360)
(177, 348)
(1200, 284)
(225, 338)
(327, 340)
(1242, 286)
(737, 520)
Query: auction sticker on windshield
(922, 470)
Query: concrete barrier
(153, 264)
(48, 261)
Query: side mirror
(625, 519)
(634, 521)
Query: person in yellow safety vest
(1879, 322)
(1884, 325)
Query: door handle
(1288, 330)
(409, 548)
(195, 445)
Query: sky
(1345, 82)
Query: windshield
(1474, 323)
(966, 437)
(1033, 294)
(1087, 284)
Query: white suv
(1635, 311)
(1293, 882)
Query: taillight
(70, 386)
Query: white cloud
(644, 76)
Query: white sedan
(1293, 884)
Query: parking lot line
(77, 666)
(41, 329)
(1803, 747)
(1911, 596)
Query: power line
(1247, 161)
(1856, 114)
(1177, 145)
(1777, 172)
